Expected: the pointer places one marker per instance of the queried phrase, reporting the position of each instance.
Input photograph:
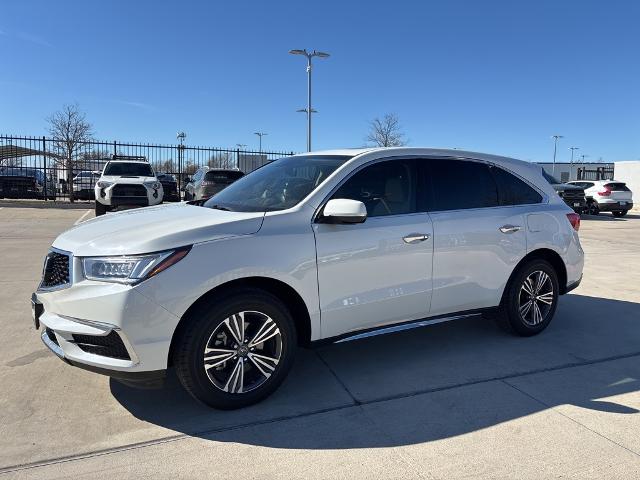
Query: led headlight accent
(130, 269)
(154, 185)
(103, 184)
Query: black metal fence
(598, 173)
(45, 168)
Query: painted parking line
(82, 217)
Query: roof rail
(133, 158)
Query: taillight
(606, 192)
(574, 220)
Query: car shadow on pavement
(425, 384)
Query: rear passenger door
(479, 234)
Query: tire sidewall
(202, 324)
(512, 305)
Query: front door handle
(510, 228)
(416, 237)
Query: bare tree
(69, 130)
(221, 160)
(386, 132)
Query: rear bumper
(614, 206)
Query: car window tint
(386, 188)
(460, 184)
(512, 190)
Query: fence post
(115, 151)
(44, 157)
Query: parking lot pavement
(449, 401)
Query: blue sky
(493, 76)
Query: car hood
(119, 179)
(153, 229)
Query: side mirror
(343, 210)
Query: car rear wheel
(592, 208)
(530, 299)
(235, 351)
(620, 213)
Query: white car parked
(606, 196)
(309, 248)
(127, 181)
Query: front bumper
(107, 328)
(107, 197)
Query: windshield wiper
(220, 207)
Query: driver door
(378, 272)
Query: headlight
(154, 185)
(103, 184)
(130, 269)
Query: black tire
(200, 330)
(100, 209)
(508, 315)
(592, 208)
(620, 213)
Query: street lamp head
(298, 52)
(320, 54)
(557, 136)
(181, 135)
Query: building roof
(8, 152)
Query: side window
(197, 176)
(512, 190)
(386, 188)
(461, 184)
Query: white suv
(309, 248)
(127, 181)
(606, 196)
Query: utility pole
(309, 110)
(555, 149)
(260, 134)
(573, 149)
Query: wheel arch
(550, 256)
(287, 294)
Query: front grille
(124, 190)
(52, 336)
(572, 195)
(56, 270)
(108, 346)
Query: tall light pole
(260, 134)
(180, 136)
(555, 149)
(309, 110)
(573, 149)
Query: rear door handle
(510, 228)
(416, 237)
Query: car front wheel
(100, 209)
(235, 351)
(530, 300)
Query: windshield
(278, 185)
(223, 177)
(133, 169)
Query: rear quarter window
(512, 190)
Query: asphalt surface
(460, 399)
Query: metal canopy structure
(8, 152)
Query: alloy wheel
(243, 352)
(535, 299)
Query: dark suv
(572, 195)
(25, 182)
